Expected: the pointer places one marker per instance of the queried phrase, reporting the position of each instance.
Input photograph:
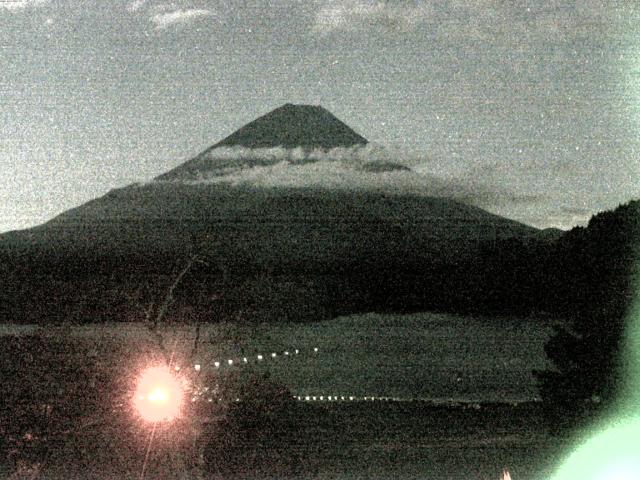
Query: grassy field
(421, 356)
(333, 441)
(413, 441)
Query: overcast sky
(541, 98)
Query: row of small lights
(352, 398)
(301, 398)
(323, 398)
(245, 360)
(345, 398)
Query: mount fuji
(293, 216)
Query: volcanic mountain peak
(308, 127)
(291, 126)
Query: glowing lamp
(158, 395)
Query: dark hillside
(347, 252)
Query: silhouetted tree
(254, 437)
(591, 281)
(51, 386)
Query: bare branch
(153, 324)
(196, 341)
(169, 296)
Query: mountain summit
(290, 126)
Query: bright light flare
(612, 454)
(158, 395)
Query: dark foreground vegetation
(66, 410)
(593, 281)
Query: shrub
(254, 438)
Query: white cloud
(363, 14)
(163, 8)
(478, 20)
(136, 5)
(345, 168)
(164, 15)
(17, 5)
(356, 155)
(181, 16)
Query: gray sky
(538, 98)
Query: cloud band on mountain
(358, 168)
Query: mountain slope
(269, 254)
(254, 230)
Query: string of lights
(208, 394)
(245, 360)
